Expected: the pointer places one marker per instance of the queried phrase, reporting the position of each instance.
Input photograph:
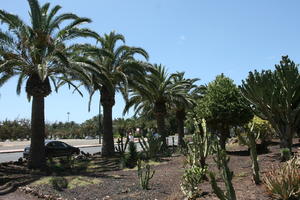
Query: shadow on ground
(16, 174)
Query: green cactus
(201, 145)
(250, 141)
(274, 96)
(144, 174)
(222, 162)
(191, 179)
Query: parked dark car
(55, 149)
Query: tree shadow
(14, 175)
(238, 153)
(296, 144)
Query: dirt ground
(115, 183)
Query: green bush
(59, 183)
(265, 130)
(151, 147)
(192, 177)
(122, 144)
(130, 159)
(284, 182)
(285, 154)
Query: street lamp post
(100, 123)
(68, 113)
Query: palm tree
(117, 69)
(153, 95)
(37, 53)
(184, 101)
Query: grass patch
(242, 174)
(42, 181)
(74, 181)
(151, 162)
(78, 181)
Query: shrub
(284, 182)
(121, 146)
(266, 132)
(59, 183)
(151, 147)
(192, 177)
(285, 154)
(130, 159)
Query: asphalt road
(6, 157)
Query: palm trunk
(37, 159)
(180, 115)
(99, 122)
(286, 137)
(160, 119)
(107, 101)
(223, 137)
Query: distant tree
(154, 94)
(182, 104)
(90, 127)
(16, 129)
(223, 107)
(275, 96)
(63, 130)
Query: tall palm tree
(154, 94)
(37, 53)
(184, 101)
(117, 68)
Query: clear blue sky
(202, 38)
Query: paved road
(22, 144)
(5, 157)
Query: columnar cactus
(200, 147)
(222, 162)
(250, 141)
(144, 174)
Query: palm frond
(36, 15)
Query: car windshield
(57, 144)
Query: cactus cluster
(197, 151)
(144, 174)
(250, 141)
(192, 177)
(201, 145)
(222, 160)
